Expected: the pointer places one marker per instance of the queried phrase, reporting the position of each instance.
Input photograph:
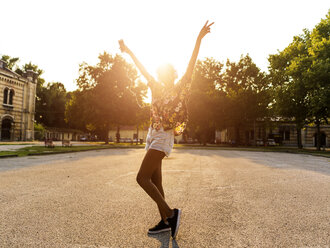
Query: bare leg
(150, 164)
(156, 179)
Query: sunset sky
(59, 35)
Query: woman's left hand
(205, 30)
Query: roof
(9, 73)
(129, 127)
(62, 130)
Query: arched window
(5, 96)
(11, 96)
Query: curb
(96, 149)
(59, 152)
(8, 156)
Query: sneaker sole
(177, 224)
(160, 231)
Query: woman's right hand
(123, 47)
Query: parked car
(125, 140)
(259, 142)
(271, 142)
(187, 141)
(138, 141)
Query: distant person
(168, 119)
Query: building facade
(128, 132)
(56, 134)
(131, 132)
(17, 110)
(284, 133)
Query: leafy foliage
(247, 93)
(202, 104)
(109, 95)
(11, 62)
(300, 75)
(50, 105)
(223, 97)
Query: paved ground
(229, 199)
(13, 147)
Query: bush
(39, 131)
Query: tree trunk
(237, 141)
(204, 139)
(118, 134)
(299, 137)
(106, 136)
(254, 133)
(137, 134)
(318, 136)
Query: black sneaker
(175, 222)
(160, 227)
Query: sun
(148, 97)
(152, 62)
(159, 47)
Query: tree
(51, 105)
(287, 74)
(202, 105)
(300, 76)
(77, 110)
(11, 62)
(36, 69)
(39, 131)
(226, 97)
(318, 75)
(247, 93)
(112, 93)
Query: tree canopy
(109, 95)
(230, 95)
(300, 75)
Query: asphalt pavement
(228, 198)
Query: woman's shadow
(164, 239)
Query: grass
(16, 143)
(41, 150)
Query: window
(287, 135)
(11, 96)
(8, 96)
(5, 96)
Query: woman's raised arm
(205, 30)
(141, 68)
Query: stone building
(17, 98)
(55, 134)
(284, 133)
(130, 132)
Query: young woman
(168, 118)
